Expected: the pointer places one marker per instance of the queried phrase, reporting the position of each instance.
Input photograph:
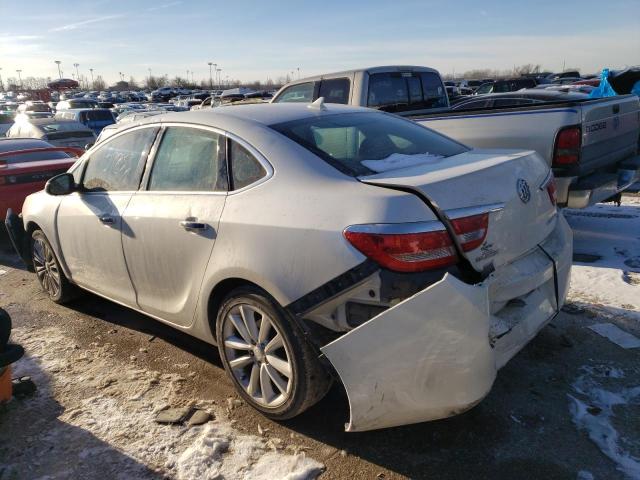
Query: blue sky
(254, 40)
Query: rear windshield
(82, 104)
(6, 118)
(97, 115)
(366, 143)
(403, 91)
(33, 157)
(38, 107)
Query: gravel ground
(566, 407)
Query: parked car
(25, 167)
(364, 249)
(60, 133)
(76, 103)
(592, 145)
(6, 120)
(35, 109)
(508, 85)
(94, 118)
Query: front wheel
(270, 363)
(50, 276)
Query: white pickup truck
(592, 145)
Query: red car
(25, 166)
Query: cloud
(166, 5)
(74, 26)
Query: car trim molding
(455, 213)
(332, 288)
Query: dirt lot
(566, 407)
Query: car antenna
(318, 104)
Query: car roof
(78, 110)
(370, 70)
(254, 113)
(13, 144)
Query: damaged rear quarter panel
(424, 359)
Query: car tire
(47, 268)
(258, 362)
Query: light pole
(218, 72)
(77, 74)
(91, 70)
(19, 77)
(58, 62)
(210, 77)
(187, 77)
(298, 73)
(1, 84)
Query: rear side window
(469, 105)
(302, 92)
(335, 90)
(117, 165)
(190, 160)
(403, 91)
(362, 143)
(245, 169)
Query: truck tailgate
(610, 131)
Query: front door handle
(107, 219)
(191, 225)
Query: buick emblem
(523, 190)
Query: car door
(174, 220)
(90, 224)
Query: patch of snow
(590, 393)
(584, 475)
(108, 415)
(396, 161)
(3, 272)
(616, 335)
(613, 234)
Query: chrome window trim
(397, 228)
(456, 213)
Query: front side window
(335, 90)
(117, 165)
(245, 169)
(302, 92)
(356, 143)
(190, 160)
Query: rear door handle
(107, 219)
(190, 225)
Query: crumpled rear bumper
(436, 354)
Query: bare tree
(99, 83)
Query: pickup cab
(591, 144)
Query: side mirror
(62, 184)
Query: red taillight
(405, 252)
(471, 231)
(3, 164)
(567, 148)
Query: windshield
(365, 143)
(34, 157)
(484, 88)
(62, 127)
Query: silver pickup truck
(592, 145)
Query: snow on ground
(613, 233)
(594, 408)
(609, 276)
(107, 412)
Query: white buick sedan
(313, 242)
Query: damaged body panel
(436, 354)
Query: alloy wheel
(46, 268)
(257, 355)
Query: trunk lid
(456, 186)
(610, 130)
